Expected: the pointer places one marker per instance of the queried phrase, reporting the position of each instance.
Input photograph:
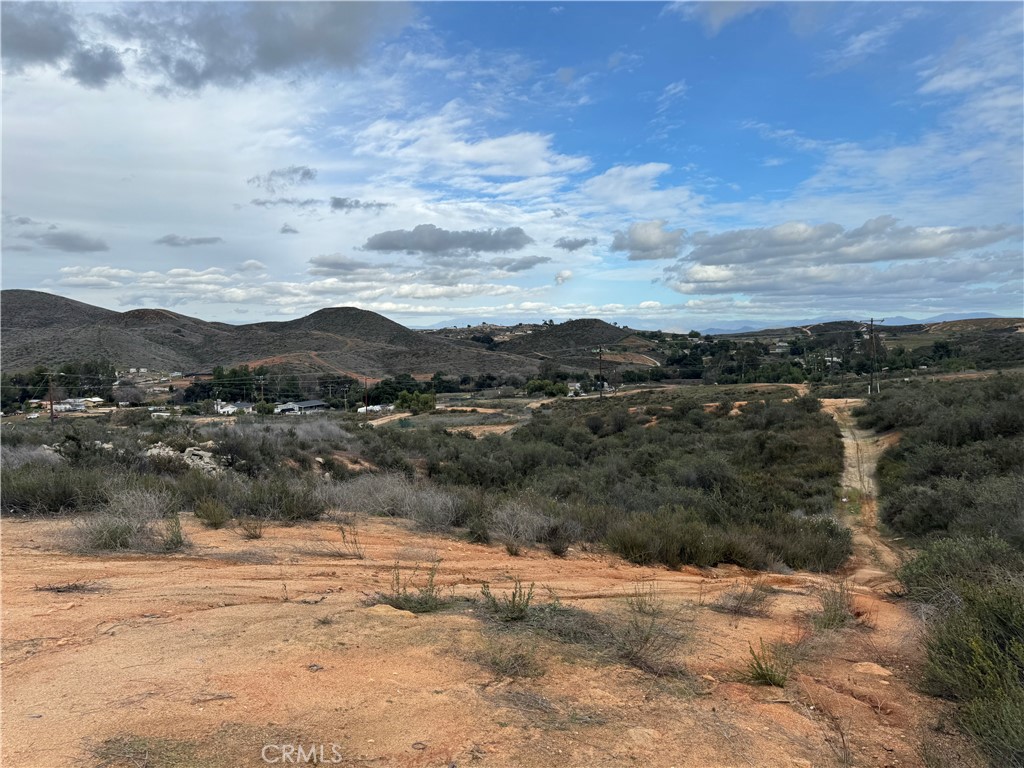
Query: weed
(514, 606)
(511, 657)
(769, 666)
(646, 642)
(425, 599)
(836, 601)
(645, 599)
(131, 751)
(251, 526)
(325, 621)
(752, 598)
(350, 542)
(69, 586)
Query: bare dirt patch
(239, 644)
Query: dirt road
(874, 559)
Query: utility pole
(873, 385)
(600, 372)
(52, 416)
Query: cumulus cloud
(427, 238)
(68, 241)
(878, 239)
(36, 33)
(95, 67)
(292, 202)
(347, 204)
(252, 265)
(178, 241)
(571, 244)
(195, 45)
(206, 280)
(649, 240)
(288, 229)
(563, 277)
(827, 268)
(521, 264)
(283, 178)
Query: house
(375, 408)
(243, 407)
(303, 406)
(224, 409)
(92, 402)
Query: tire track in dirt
(874, 559)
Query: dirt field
(238, 647)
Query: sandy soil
(210, 656)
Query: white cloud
(649, 240)
(635, 188)
(671, 93)
(445, 141)
(714, 16)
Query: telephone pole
(52, 416)
(874, 357)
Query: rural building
(302, 406)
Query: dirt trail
(874, 559)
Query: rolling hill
(45, 329)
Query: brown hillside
(574, 337)
(35, 309)
(42, 329)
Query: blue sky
(670, 165)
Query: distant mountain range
(738, 326)
(46, 329)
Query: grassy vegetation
(754, 598)
(427, 598)
(769, 665)
(955, 485)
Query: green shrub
(41, 489)
(426, 599)
(212, 513)
(251, 527)
(975, 654)
(945, 565)
(836, 606)
(646, 641)
(513, 606)
(288, 499)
